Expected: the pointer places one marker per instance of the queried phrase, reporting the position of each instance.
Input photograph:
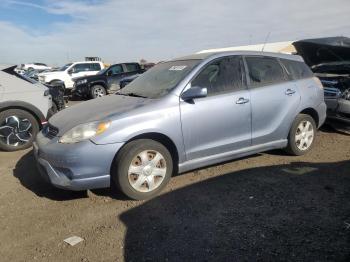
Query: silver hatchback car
(181, 115)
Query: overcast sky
(56, 32)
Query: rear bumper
(79, 166)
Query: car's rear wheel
(142, 169)
(98, 91)
(302, 135)
(18, 129)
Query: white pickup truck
(70, 71)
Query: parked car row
(180, 115)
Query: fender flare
(26, 107)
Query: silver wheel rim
(147, 171)
(15, 131)
(304, 135)
(99, 92)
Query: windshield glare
(161, 79)
(63, 68)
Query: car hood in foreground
(323, 50)
(104, 108)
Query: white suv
(70, 71)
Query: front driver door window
(217, 124)
(115, 73)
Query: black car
(106, 81)
(329, 59)
(57, 91)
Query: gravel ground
(265, 207)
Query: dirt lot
(265, 207)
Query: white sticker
(177, 68)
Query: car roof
(210, 55)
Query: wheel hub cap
(147, 171)
(15, 131)
(304, 135)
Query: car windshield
(159, 80)
(63, 68)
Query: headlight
(81, 82)
(84, 131)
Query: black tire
(25, 118)
(292, 147)
(124, 159)
(97, 91)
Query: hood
(323, 50)
(104, 108)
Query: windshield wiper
(131, 94)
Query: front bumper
(339, 111)
(79, 166)
(80, 90)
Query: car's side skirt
(223, 157)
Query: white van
(70, 71)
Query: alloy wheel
(147, 171)
(15, 131)
(99, 92)
(304, 135)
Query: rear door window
(296, 70)
(132, 67)
(95, 67)
(222, 75)
(81, 68)
(264, 71)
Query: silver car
(181, 115)
(24, 106)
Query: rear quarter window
(296, 70)
(95, 67)
(264, 71)
(132, 67)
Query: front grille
(50, 131)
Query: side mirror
(194, 92)
(109, 73)
(70, 71)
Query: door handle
(242, 100)
(290, 92)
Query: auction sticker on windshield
(177, 68)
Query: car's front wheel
(302, 135)
(142, 169)
(18, 129)
(98, 91)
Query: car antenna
(267, 37)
